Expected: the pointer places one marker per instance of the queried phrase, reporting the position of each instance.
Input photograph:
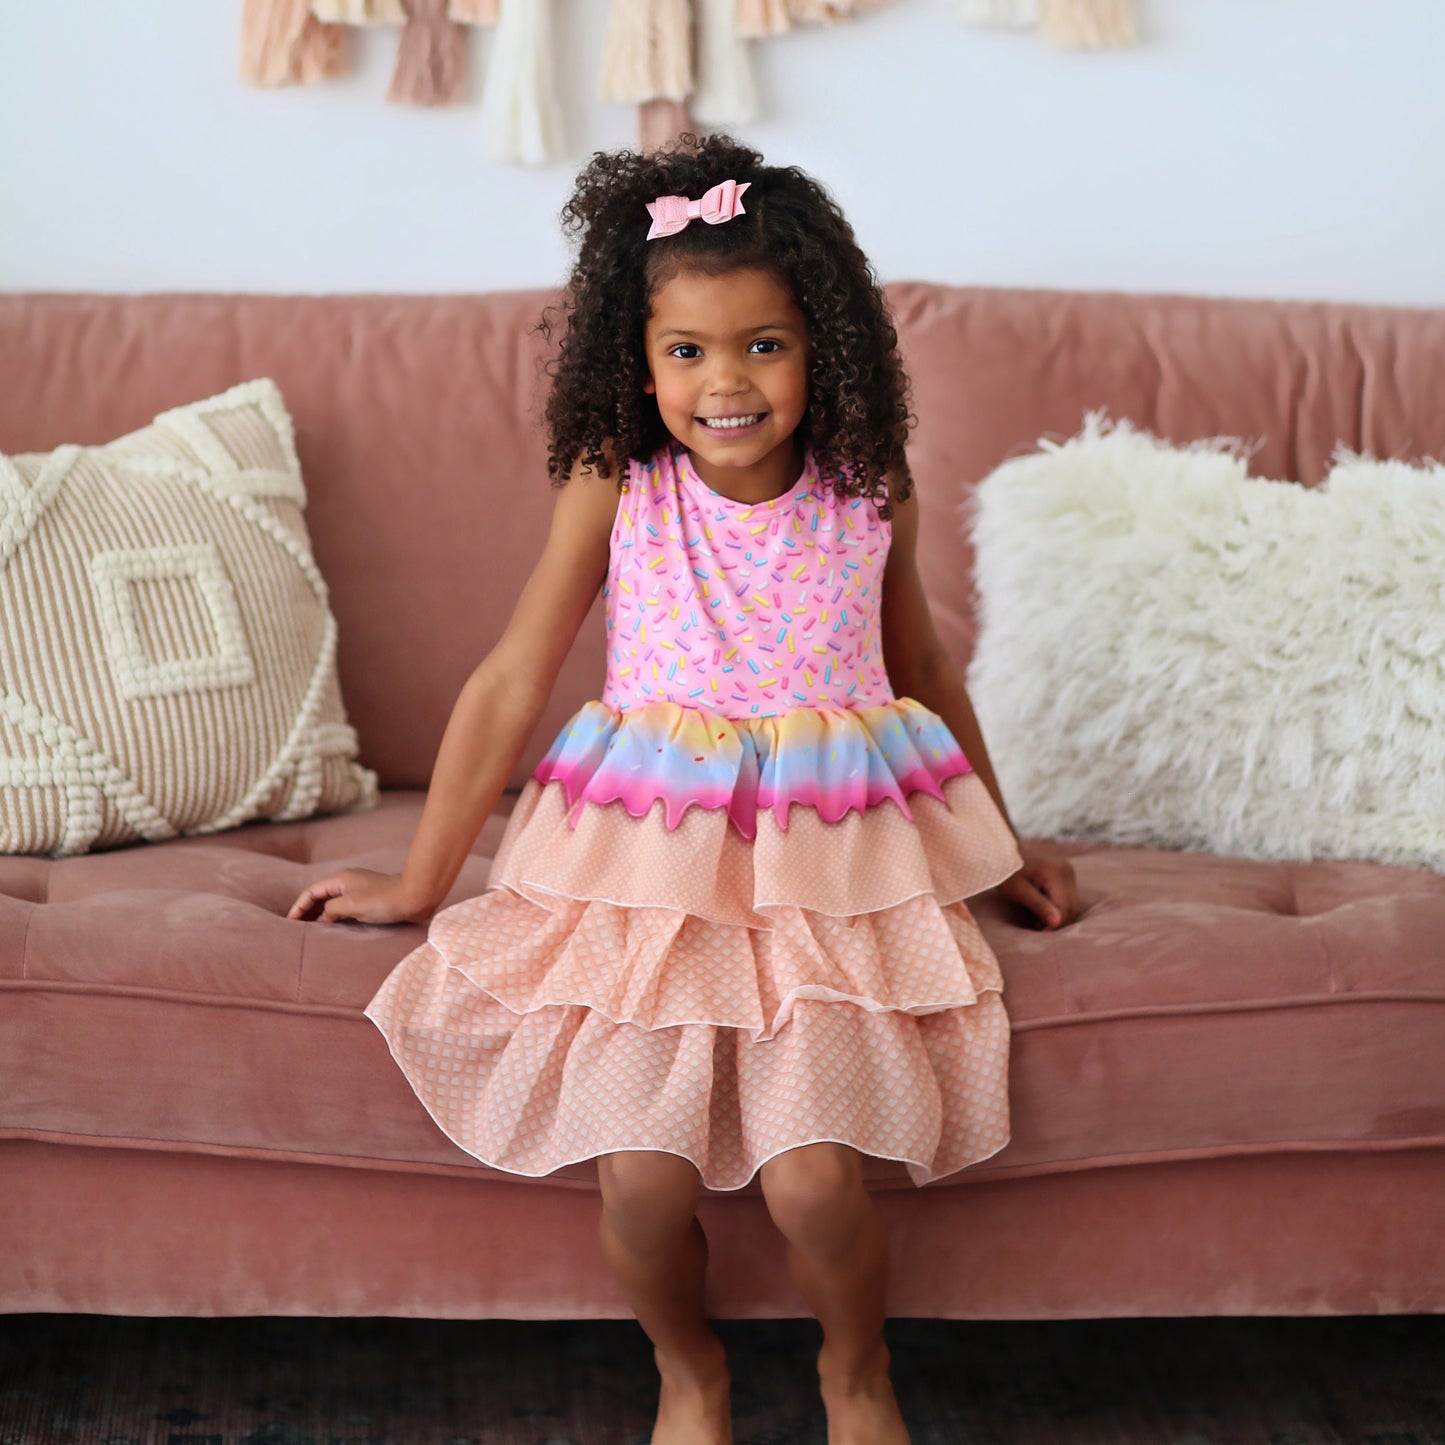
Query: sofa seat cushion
(1200, 1006)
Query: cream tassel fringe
(759, 18)
(359, 12)
(519, 101)
(810, 11)
(270, 38)
(725, 93)
(647, 54)
(325, 52)
(1089, 24)
(1023, 14)
(431, 59)
(660, 123)
(473, 12)
(282, 43)
(772, 17)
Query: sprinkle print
(719, 582)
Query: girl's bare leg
(837, 1255)
(657, 1250)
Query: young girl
(725, 931)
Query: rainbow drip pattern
(829, 758)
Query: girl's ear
(649, 386)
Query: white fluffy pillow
(1175, 654)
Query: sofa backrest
(418, 424)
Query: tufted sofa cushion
(158, 997)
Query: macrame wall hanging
(1088, 24)
(681, 62)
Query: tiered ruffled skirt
(722, 938)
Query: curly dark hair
(857, 417)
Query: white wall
(1250, 147)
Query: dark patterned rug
(103, 1380)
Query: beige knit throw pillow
(167, 650)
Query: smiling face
(728, 359)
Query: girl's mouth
(733, 425)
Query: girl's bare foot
(694, 1406)
(859, 1402)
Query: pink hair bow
(671, 214)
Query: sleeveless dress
(726, 916)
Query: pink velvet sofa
(1227, 1078)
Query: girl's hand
(1046, 886)
(361, 894)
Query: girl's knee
(648, 1188)
(811, 1185)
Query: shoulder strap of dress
(635, 498)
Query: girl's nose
(726, 377)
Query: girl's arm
(917, 662)
(494, 716)
(501, 701)
(919, 667)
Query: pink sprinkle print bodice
(745, 608)
(745, 662)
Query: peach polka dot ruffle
(623, 985)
